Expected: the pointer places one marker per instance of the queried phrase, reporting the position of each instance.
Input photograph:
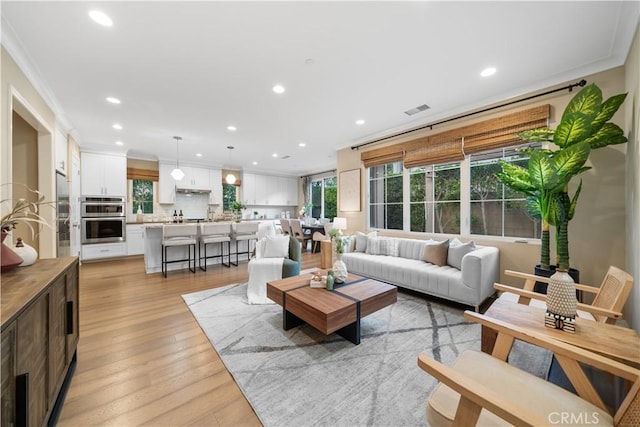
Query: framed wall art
(349, 191)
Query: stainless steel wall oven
(104, 220)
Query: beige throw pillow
(436, 253)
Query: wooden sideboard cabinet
(39, 311)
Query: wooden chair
(319, 237)
(296, 231)
(286, 229)
(483, 389)
(607, 304)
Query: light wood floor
(143, 359)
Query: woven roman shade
(448, 146)
(381, 156)
(144, 174)
(501, 131)
(437, 149)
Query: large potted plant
(584, 126)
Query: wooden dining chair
(296, 231)
(286, 228)
(318, 237)
(482, 389)
(607, 304)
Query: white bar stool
(214, 233)
(246, 231)
(179, 235)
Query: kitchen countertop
(159, 223)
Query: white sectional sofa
(470, 285)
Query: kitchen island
(153, 248)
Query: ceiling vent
(285, 157)
(417, 109)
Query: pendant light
(230, 178)
(177, 174)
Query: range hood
(192, 191)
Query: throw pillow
(361, 241)
(456, 252)
(276, 247)
(349, 244)
(376, 246)
(436, 253)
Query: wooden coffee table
(336, 311)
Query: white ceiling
(193, 68)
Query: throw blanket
(261, 271)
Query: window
(441, 201)
(324, 196)
(385, 196)
(497, 210)
(435, 198)
(229, 195)
(142, 195)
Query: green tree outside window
(142, 195)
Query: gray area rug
(301, 377)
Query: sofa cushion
(361, 240)
(457, 250)
(436, 253)
(382, 246)
(517, 384)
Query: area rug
(301, 377)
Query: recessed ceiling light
(113, 100)
(117, 126)
(255, 163)
(232, 128)
(490, 71)
(302, 144)
(360, 122)
(101, 18)
(119, 143)
(274, 155)
(198, 154)
(278, 89)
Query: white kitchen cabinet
(104, 250)
(263, 189)
(292, 192)
(215, 179)
(249, 188)
(103, 175)
(280, 194)
(166, 184)
(195, 178)
(61, 149)
(135, 239)
(267, 190)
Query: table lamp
(340, 223)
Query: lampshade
(230, 178)
(340, 223)
(177, 174)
